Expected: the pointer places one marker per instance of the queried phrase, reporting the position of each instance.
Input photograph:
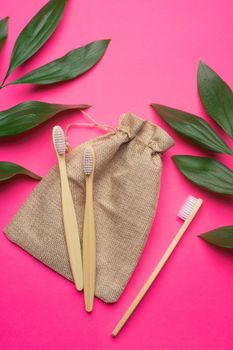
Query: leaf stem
(6, 76)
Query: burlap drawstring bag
(126, 188)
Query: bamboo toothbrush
(186, 213)
(89, 235)
(69, 216)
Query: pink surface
(153, 57)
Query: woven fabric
(126, 188)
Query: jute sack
(126, 188)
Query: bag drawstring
(93, 124)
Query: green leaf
(192, 127)
(70, 66)
(206, 172)
(216, 97)
(9, 170)
(36, 33)
(27, 115)
(221, 237)
(3, 31)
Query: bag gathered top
(126, 187)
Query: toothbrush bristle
(60, 140)
(88, 161)
(187, 207)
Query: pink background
(153, 57)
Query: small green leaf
(206, 172)
(9, 170)
(192, 127)
(221, 237)
(3, 31)
(36, 33)
(70, 66)
(27, 115)
(216, 97)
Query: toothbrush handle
(89, 247)
(71, 227)
(157, 270)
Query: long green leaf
(3, 31)
(36, 33)
(9, 170)
(221, 237)
(216, 96)
(206, 172)
(192, 127)
(70, 66)
(27, 115)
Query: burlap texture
(126, 188)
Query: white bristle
(88, 161)
(187, 207)
(60, 140)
